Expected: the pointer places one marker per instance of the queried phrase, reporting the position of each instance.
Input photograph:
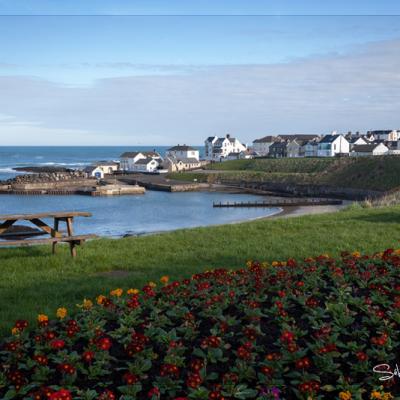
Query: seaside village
(220, 149)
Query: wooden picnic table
(54, 231)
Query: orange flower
(164, 280)
(15, 331)
(116, 292)
(133, 291)
(43, 318)
(152, 284)
(100, 299)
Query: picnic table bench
(56, 235)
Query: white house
(147, 164)
(332, 145)
(357, 141)
(94, 171)
(371, 149)
(261, 146)
(218, 149)
(208, 146)
(173, 164)
(390, 135)
(183, 152)
(101, 168)
(129, 159)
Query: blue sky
(103, 79)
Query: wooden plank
(46, 228)
(32, 242)
(5, 225)
(51, 214)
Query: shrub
(307, 330)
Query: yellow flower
(152, 284)
(133, 291)
(356, 254)
(345, 395)
(164, 279)
(61, 313)
(42, 318)
(275, 263)
(15, 331)
(100, 299)
(397, 252)
(265, 264)
(375, 395)
(117, 292)
(249, 263)
(87, 304)
(387, 396)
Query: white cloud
(357, 92)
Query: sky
(168, 72)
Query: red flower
(57, 344)
(62, 394)
(303, 363)
(194, 380)
(21, 324)
(361, 356)
(287, 337)
(153, 392)
(130, 378)
(66, 368)
(104, 344)
(107, 395)
(88, 356)
(41, 359)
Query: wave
(76, 164)
(10, 171)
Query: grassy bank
(373, 173)
(33, 281)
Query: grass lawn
(32, 281)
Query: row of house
(177, 158)
(372, 143)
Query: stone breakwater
(47, 177)
(63, 183)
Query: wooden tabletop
(51, 214)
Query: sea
(120, 215)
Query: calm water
(115, 216)
(152, 212)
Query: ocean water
(68, 157)
(119, 215)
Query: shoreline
(283, 212)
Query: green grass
(32, 281)
(373, 173)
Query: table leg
(56, 226)
(70, 231)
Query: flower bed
(291, 330)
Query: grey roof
(106, 163)
(298, 136)
(365, 148)
(381, 132)
(144, 161)
(129, 154)
(266, 139)
(355, 138)
(329, 138)
(190, 160)
(210, 138)
(182, 148)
